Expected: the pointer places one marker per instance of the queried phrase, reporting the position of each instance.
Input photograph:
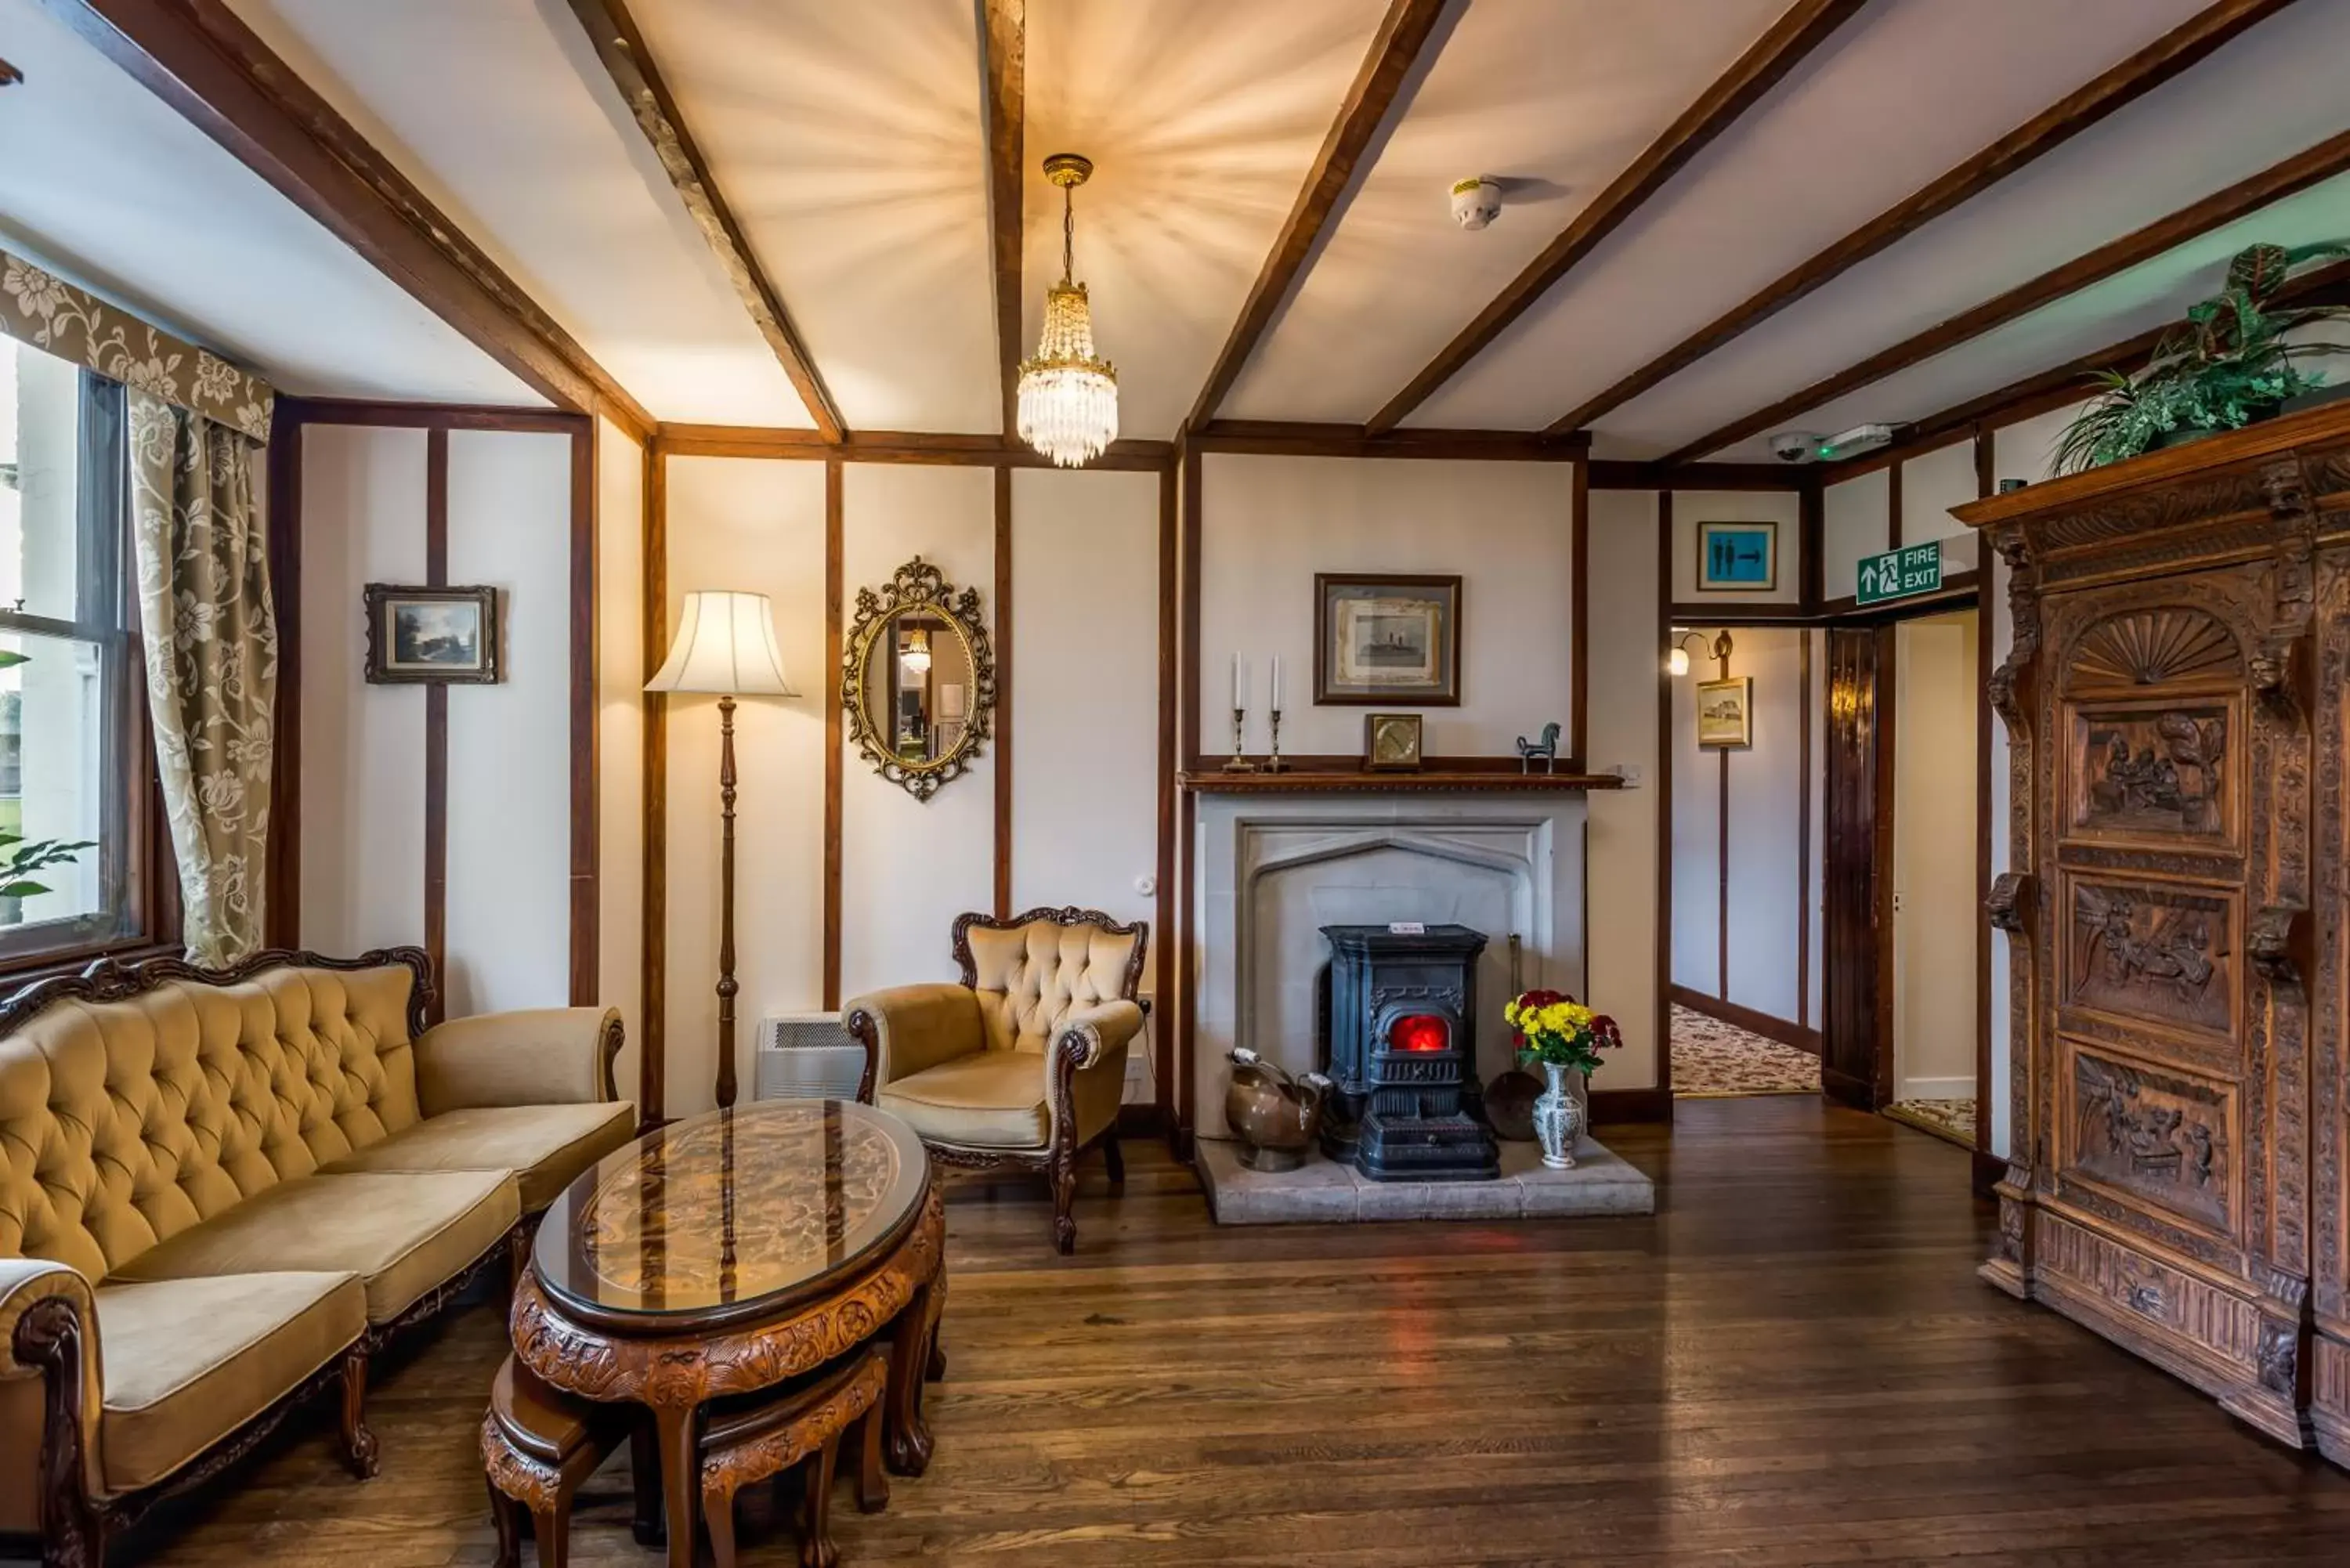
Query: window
(79, 831)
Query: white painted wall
(620, 737)
(1626, 663)
(1269, 523)
(754, 526)
(1692, 507)
(362, 746)
(1853, 523)
(910, 867)
(1938, 920)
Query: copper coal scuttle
(1277, 1116)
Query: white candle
(1276, 683)
(1240, 682)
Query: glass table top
(733, 1211)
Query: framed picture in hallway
(1725, 712)
(424, 636)
(1381, 639)
(1737, 557)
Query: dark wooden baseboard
(1988, 1170)
(1141, 1121)
(1747, 1018)
(1630, 1105)
(1847, 1090)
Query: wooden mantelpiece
(1428, 782)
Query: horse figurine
(1546, 749)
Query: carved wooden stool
(537, 1445)
(802, 1427)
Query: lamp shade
(726, 644)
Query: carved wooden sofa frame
(1057, 1162)
(52, 1334)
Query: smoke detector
(1476, 201)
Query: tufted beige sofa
(221, 1189)
(1022, 1066)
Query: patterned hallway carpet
(1953, 1120)
(1717, 1061)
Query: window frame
(136, 863)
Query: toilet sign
(1900, 573)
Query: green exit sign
(1901, 574)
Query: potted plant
(2225, 367)
(1565, 1037)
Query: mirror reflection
(918, 686)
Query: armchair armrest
(910, 1027)
(48, 1330)
(1097, 1030)
(541, 1056)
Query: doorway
(1902, 871)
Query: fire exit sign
(1900, 573)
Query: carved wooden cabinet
(2174, 700)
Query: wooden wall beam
(436, 731)
(1609, 473)
(2304, 169)
(1800, 30)
(1291, 438)
(891, 446)
(1403, 35)
(2184, 45)
(587, 816)
(835, 585)
(1003, 47)
(1004, 711)
(621, 45)
(199, 58)
(652, 1053)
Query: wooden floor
(1792, 1362)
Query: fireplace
(1400, 1043)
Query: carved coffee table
(731, 1253)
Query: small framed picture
(1725, 712)
(427, 636)
(1737, 557)
(1381, 638)
(1391, 743)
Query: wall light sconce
(1677, 661)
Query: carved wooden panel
(2146, 1293)
(2165, 646)
(2155, 771)
(2162, 1136)
(2159, 953)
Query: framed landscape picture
(427, 636)
(1725, 712)
(1381, 639)
(1737, 557)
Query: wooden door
(1856, 1037)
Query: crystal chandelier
(1068, 399)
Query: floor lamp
(726, 647)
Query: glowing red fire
(1419, 1032)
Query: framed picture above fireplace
(1383, 639)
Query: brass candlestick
(1239, 764)
(1273, 763)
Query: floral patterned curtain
(211, 636)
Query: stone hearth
(1325, 1191)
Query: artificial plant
(2227, 364)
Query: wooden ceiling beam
(2051, 389)
(1003, 47)
(1398, 44)
(2183, 47)
(1800, 30)
(1291, 438)
(2296, 174)
(199, 58)
(621, 45)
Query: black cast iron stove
(1399, 1033)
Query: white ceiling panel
(106, 183)
(2147, 296)
(499, 111)
(2267, 95)
(1556, 100)
(1202, 120)
(1903, 92)
(849, 142)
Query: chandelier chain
(1068, 234)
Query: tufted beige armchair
(1022, 1066)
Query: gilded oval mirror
(918, 679)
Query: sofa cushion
(989, 1099)
(123, 1123)
(187, 1362)
(545, 1146)
(401, 1234)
